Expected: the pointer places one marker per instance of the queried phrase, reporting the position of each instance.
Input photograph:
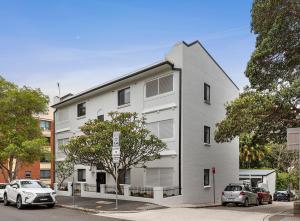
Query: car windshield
(32, 184)
(2, 186)
(233, 188)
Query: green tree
(64, 170)
(94, 147)
(268, 106)
(251, 155)
(21, 140)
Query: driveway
(228, 213)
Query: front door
(101, 179)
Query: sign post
(214, 186)
(116, 158)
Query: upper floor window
(45, 125)
(124, 96)
(206, 93)
(162, 129)
(206, 134)
(81, 109)
(159, 86)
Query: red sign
(213, 170)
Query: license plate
(43, 199)
(230, 199)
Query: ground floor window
(45, 174)
(81, 175)
(206, 177)
(125, 177)
(159, 176)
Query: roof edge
(198, 42)
(114, 81)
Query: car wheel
(6, 202)
(257, 203)
(246, 203)
(19, 202)
(51, 205)
(270, 200)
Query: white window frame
(158, 130)
(163, 94)
(124, 105)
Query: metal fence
(170, 191)
(146, 192)
(77, 189)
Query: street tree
(269, 104)
(94, 148)
(21, 141)
(64, 170)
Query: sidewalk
(285, 216)
(97, 205)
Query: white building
(259, 178)
(182, 98)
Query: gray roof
(253, 172)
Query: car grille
(43, 198)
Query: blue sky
(82, 43)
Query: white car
(2, 188)
(28, 192)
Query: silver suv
(239, 194)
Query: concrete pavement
(228, 213)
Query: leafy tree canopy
(94, 147)
(269, 105)
(20, 135)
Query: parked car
(284, 195)
(263, 195)
(239, 194)
(28, 192)
(2, 188)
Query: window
(45, 174)
(162, 129)
(101, 117)
(206, 93)
(60, 151)
(27, 174)
(159, 177)
(159, 86)
(45, 125)
(81, 175)
(81, 109)
(45, 158)
(206, 134)
(124, 96)
(206, 177)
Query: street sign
(116, 160)
(116, 138)
(213, 170)
(116, 152)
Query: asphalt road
(11, 213)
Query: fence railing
(170, 191)
(146, 192)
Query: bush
(285, 181)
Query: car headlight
(53, 193)
(28, 194)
